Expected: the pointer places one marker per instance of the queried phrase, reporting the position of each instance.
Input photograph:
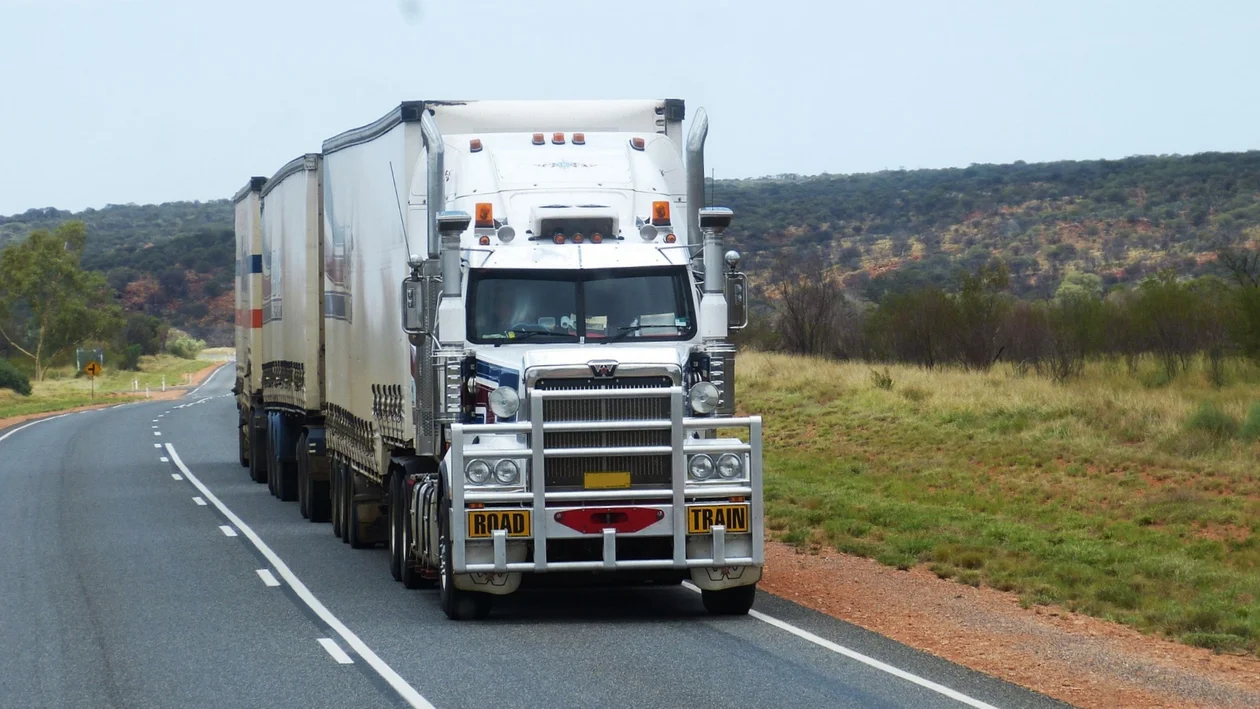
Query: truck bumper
(528, 528)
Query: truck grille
(645, 470)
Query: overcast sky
(114, 101)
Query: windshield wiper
(624, 332)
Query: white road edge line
(227, 531)
(207, 381)
(400, 685)
(199, 501)
(864, 659)
(335, 650)
(268, 579)
(33, 423)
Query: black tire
(286, 480)
(242, 441)
(273, 468)
(730, 601)
(396, 511)
(334, 493)
(303, 477)
(257, 455)
(457, 604)
(354, 531)
(344, 503)
(320, 507)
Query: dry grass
(1109, 494)
(61, 389)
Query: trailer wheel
(257, 455)
(334, 494)
(242, 440)
(286, 479)
(456, 604)
(303, 477)
(353, 527)
(729, 601)
(397, 552)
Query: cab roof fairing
(518, 177)
(547, 255)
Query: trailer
(526, 373)
(293, 335)
(251, 424)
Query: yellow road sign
(92, 369)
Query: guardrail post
(678, 438)
(537, 477)
(459, 515)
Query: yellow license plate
(702, 518)
(482, 523)
(606, 481)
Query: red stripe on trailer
(257, 317)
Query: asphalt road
(121, 589)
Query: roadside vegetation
(62, 389)
(1117, 493)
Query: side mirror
(736, 300)
(415, 319)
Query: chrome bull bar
(678, 493)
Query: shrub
(11, 378)
(882, 380)
(1251, 427)
(186, 347)
(1211, 419)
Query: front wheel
(730, 601)
(456, 604)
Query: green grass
(61, 389)
(1104, 495)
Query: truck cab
(581, 365)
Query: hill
(881, 232)
(1122, 219)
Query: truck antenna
(402, 222)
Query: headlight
(700, 467)
(730, 466)
(477, 472)
(506, 472)
(703, 397)
(504, 402)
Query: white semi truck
(550, 394)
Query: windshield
(565, 306)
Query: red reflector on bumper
(593, 520)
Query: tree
(48, 303)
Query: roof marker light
(538, 139)
(577, 238)
(579, 139)
(557, 138)
(597, 238)
(636, 143)
(484, 215)
(559, 238)
(474, 145)
(670, 238)
(484, 241)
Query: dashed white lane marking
(155, 420)
(176, 476)
(199, 501)
(164, 459)
(267, 578)
(157, 433)
(157, 445)
(32, 423)
(400, 685)
(227, 531)
(337, 653)
(153, 427)
(864, 659)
